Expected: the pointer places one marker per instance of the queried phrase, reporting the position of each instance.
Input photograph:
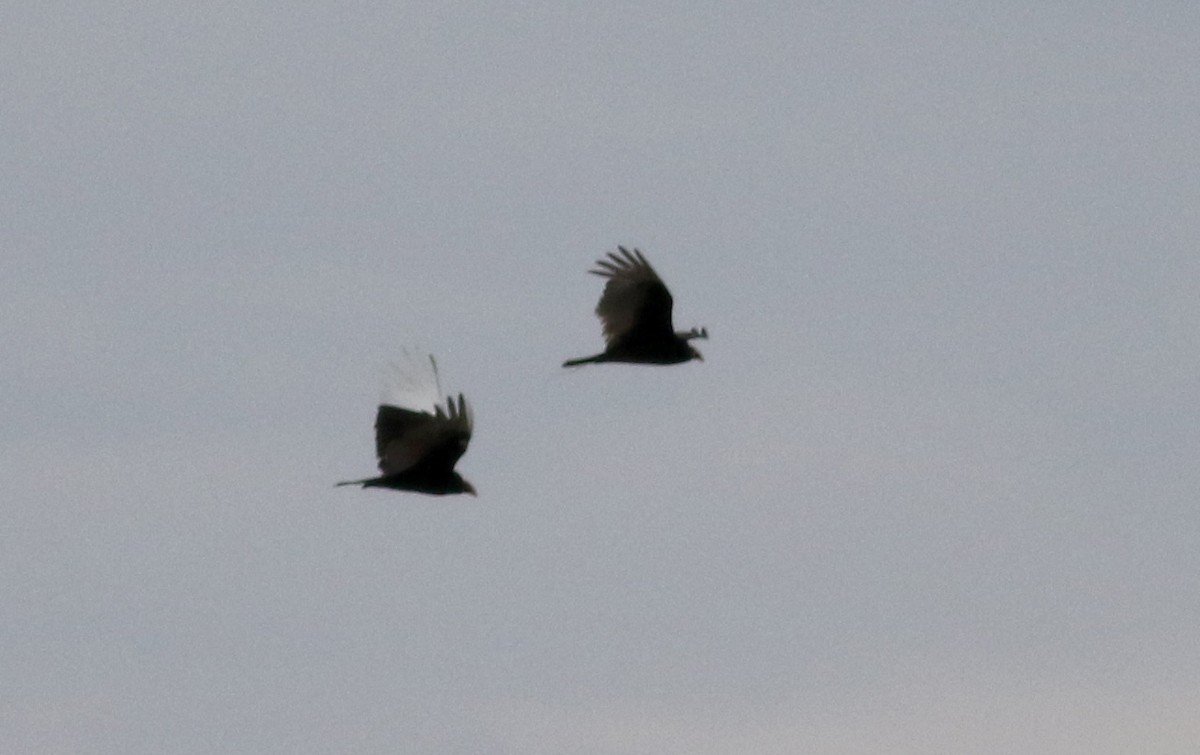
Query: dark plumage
(417, 450)
(635, 309)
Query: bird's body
(642, 351)
(635, 310)
(417, 450)
(430, 483)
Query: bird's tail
(585, 360)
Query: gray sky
(934, 488)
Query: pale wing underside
(411, 382)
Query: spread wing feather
(635, 304)
(406, 439)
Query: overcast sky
(934, 488)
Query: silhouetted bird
(635, 309)
(417, 450)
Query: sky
(933, 490)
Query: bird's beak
(696, 353)
(469, 488)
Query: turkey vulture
(636, 311)
(417, 449)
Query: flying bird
(418, 449)
(635, 310)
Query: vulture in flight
(417, 449)
(635, 309)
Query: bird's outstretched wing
(635, 304)
(454, 427)
(410, 381)
(406, 440)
